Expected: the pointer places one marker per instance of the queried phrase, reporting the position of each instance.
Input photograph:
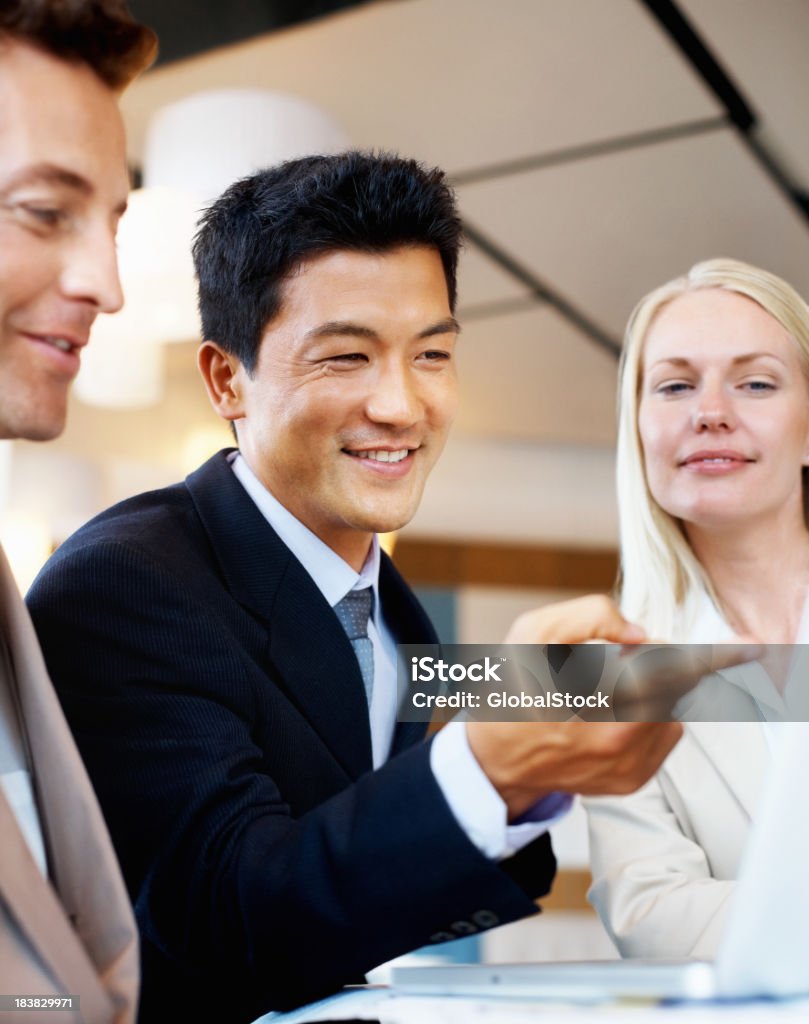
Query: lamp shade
(157, 272)
(122, 368)
(194, 149)
(119, 368)
(206, 141)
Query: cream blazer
(71, 934)
(664, 860)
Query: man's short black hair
(265, 226)
(99, 33)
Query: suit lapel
(309, 654)
(80, 857)
(739, 752)
(409, 624)
(316, 665)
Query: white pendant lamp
(205, 142)
(194, 149)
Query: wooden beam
(569, 891)
(455, 563)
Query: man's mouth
(61, 343)
(380, 454)
(64, 343)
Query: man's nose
(395, 398)
(90, 273)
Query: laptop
(765, 949)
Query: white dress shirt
(476, 804)
(773, 704)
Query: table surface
(390, 1007)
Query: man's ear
(224, 377)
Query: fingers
(623, 756)
(651, 683)
(728, 655)
(645, 751)
(595, 617)
(525, 762)
(654, 680)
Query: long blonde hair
(661, 581)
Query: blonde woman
(712, 448)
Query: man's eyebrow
(49, 174)
(340, 328)
(448, 326)
(349, 329)
(52, 174)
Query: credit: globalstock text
(592, 682)
(470, 700)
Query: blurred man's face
(63, 188)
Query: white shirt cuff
(473, 800)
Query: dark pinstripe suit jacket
(219, 708)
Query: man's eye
(346, 361)
(46, 216)
(435, 355)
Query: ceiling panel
(763, 48)
(186, 27)
(606, 230)
(460, 82)
(481, 281)
(532, 376)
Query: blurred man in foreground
(65, 926)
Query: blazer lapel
(316, 665)
(40, 916)
(310, 657)
(739, 752)
(409, 623)
(737, 749)
(81, 862)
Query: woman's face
(724, 412)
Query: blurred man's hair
(99, 33)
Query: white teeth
(60, 343)
(383, 456)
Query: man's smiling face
(63, 187)
(353, 393)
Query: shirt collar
(711, 628)
(333, 576)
